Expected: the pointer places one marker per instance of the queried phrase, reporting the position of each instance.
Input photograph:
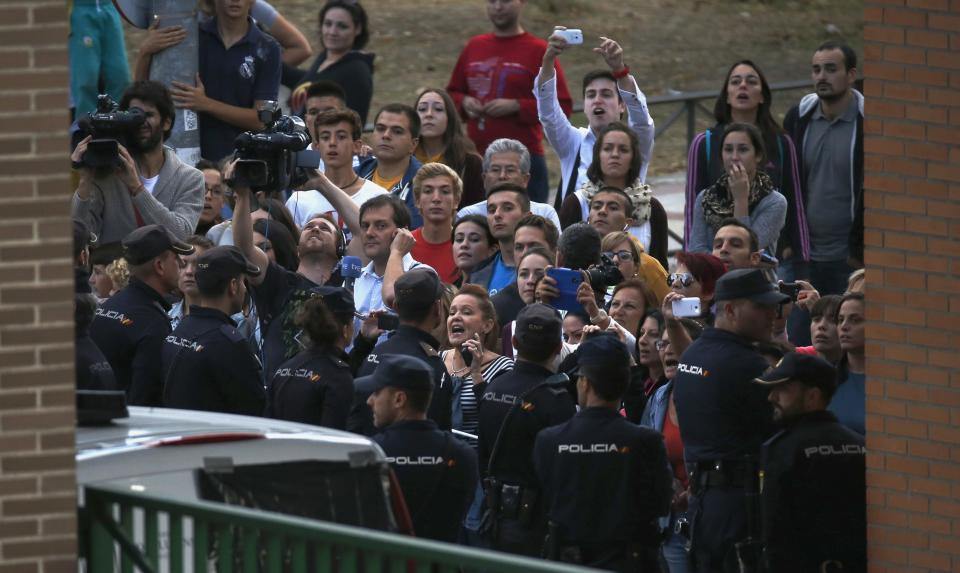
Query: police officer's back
(514, 408)
(605, 480)
(437, 472)
(207, 363)
(417, 301)
(92, 369)
(131, 325)
(723, 417)
(315, 386)
(814, 487)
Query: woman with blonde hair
(626, 251)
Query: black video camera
(275, 158)
(110, 127)
(604, 274)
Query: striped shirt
(467, 400)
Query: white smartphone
(686, 307)
(574, 37)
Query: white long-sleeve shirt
(568, 140)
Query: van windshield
(324, 490)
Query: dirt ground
(671, 45)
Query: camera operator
(150, 184)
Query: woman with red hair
(696, 276)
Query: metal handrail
(268, 541)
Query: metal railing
(124, 531)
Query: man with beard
(828, 128)
(279, 293)
(150, 185)
(814, 489)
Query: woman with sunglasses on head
(616, 163)
(442, 140)
(745, 97)
(661, 415)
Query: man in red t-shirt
(492, 85)
(437, 190)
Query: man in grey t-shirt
(827, 127)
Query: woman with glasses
(696, 276)
(616, 163)
(661, 415)
(625, 250)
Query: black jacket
(93, 370)
(129, 329)
(354, 73)
(795, 123)
(814, 496)
(207, 365)
(606, 480)
(546, 406)
(722, 414)
(314, 387)
(410, 341)
(437, 473)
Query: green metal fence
(126, 531)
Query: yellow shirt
(421, 156)
(387, 184)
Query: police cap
(538, 324)
(398, 371)
(750, 284)
(416, 289)
(150, 241)
(338, 300)
(807, 369)
(603, 354)
(223, 262)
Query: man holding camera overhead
(147, 183)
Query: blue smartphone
(568, 280)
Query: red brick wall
(912, 72)
(37, 486)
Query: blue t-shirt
(502, 276)
(849, 403)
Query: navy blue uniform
(814, 496)
(724, 419)
(129, 329)
(520, 525)
(605, 482)
(437, 473)
(207, 365)
(409, 341)
(314, 387)
(93, 370)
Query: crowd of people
(543, 376)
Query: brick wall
(37, 486)
(912, 69)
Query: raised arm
(243, 229)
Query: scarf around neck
(718, 201)
(639, 194)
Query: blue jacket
(402, 190)
(656, 410)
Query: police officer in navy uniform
(514, 407)
(93, 372)
(724, 417)
(437, 472)
(605, 480)
(129, 328)
(207, 363)
(316, 386)
(417, 301)
(814, 487)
